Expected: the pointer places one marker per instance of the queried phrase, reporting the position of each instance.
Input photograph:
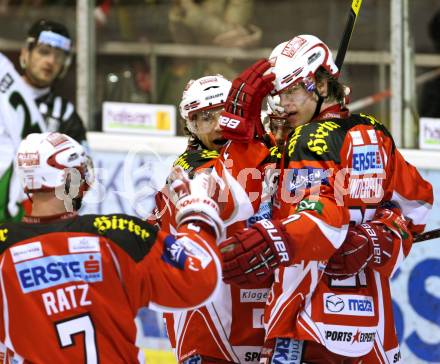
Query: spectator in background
(429, 105)
(45, 59)
(224, 23)
(30, 105)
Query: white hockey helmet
(298, 59)
(204, 93)
(43, 162)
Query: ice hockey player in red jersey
(338, 169)
(229, 329)
(71, 285)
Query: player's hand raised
(242, 115)
(192, 199)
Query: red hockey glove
(392, 221)
(251, 255)
(353, 255)
(192, 199)
(368, 245)
(243, 105)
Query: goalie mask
(53, 34)
(297, 61)
(48, 161)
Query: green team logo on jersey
(310, 205)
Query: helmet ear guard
(309, 84)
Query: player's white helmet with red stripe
(44, 161)
(298, 59)
(204, 93)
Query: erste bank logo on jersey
(366, 160)
(51, 271)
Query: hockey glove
(368, 245)
(243, 105)
(192, 201)
(392, 221)
(250, 256)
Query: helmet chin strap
(318, 104)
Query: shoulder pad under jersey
(322, 140)
(132, 234)
(192, 160)
(318, 140)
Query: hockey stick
(428, 235)
(342, 50)
(379, 96)
(351, 20)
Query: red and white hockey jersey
(339, 168)
(71, 288)
(230, 327)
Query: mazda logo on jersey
(352, 305)
(334, 303)
(42, 273)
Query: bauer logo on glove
(250, 256)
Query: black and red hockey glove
(250, 256)
(369, 244)
(242, 113)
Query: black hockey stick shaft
(351, 20)
(428, 235)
